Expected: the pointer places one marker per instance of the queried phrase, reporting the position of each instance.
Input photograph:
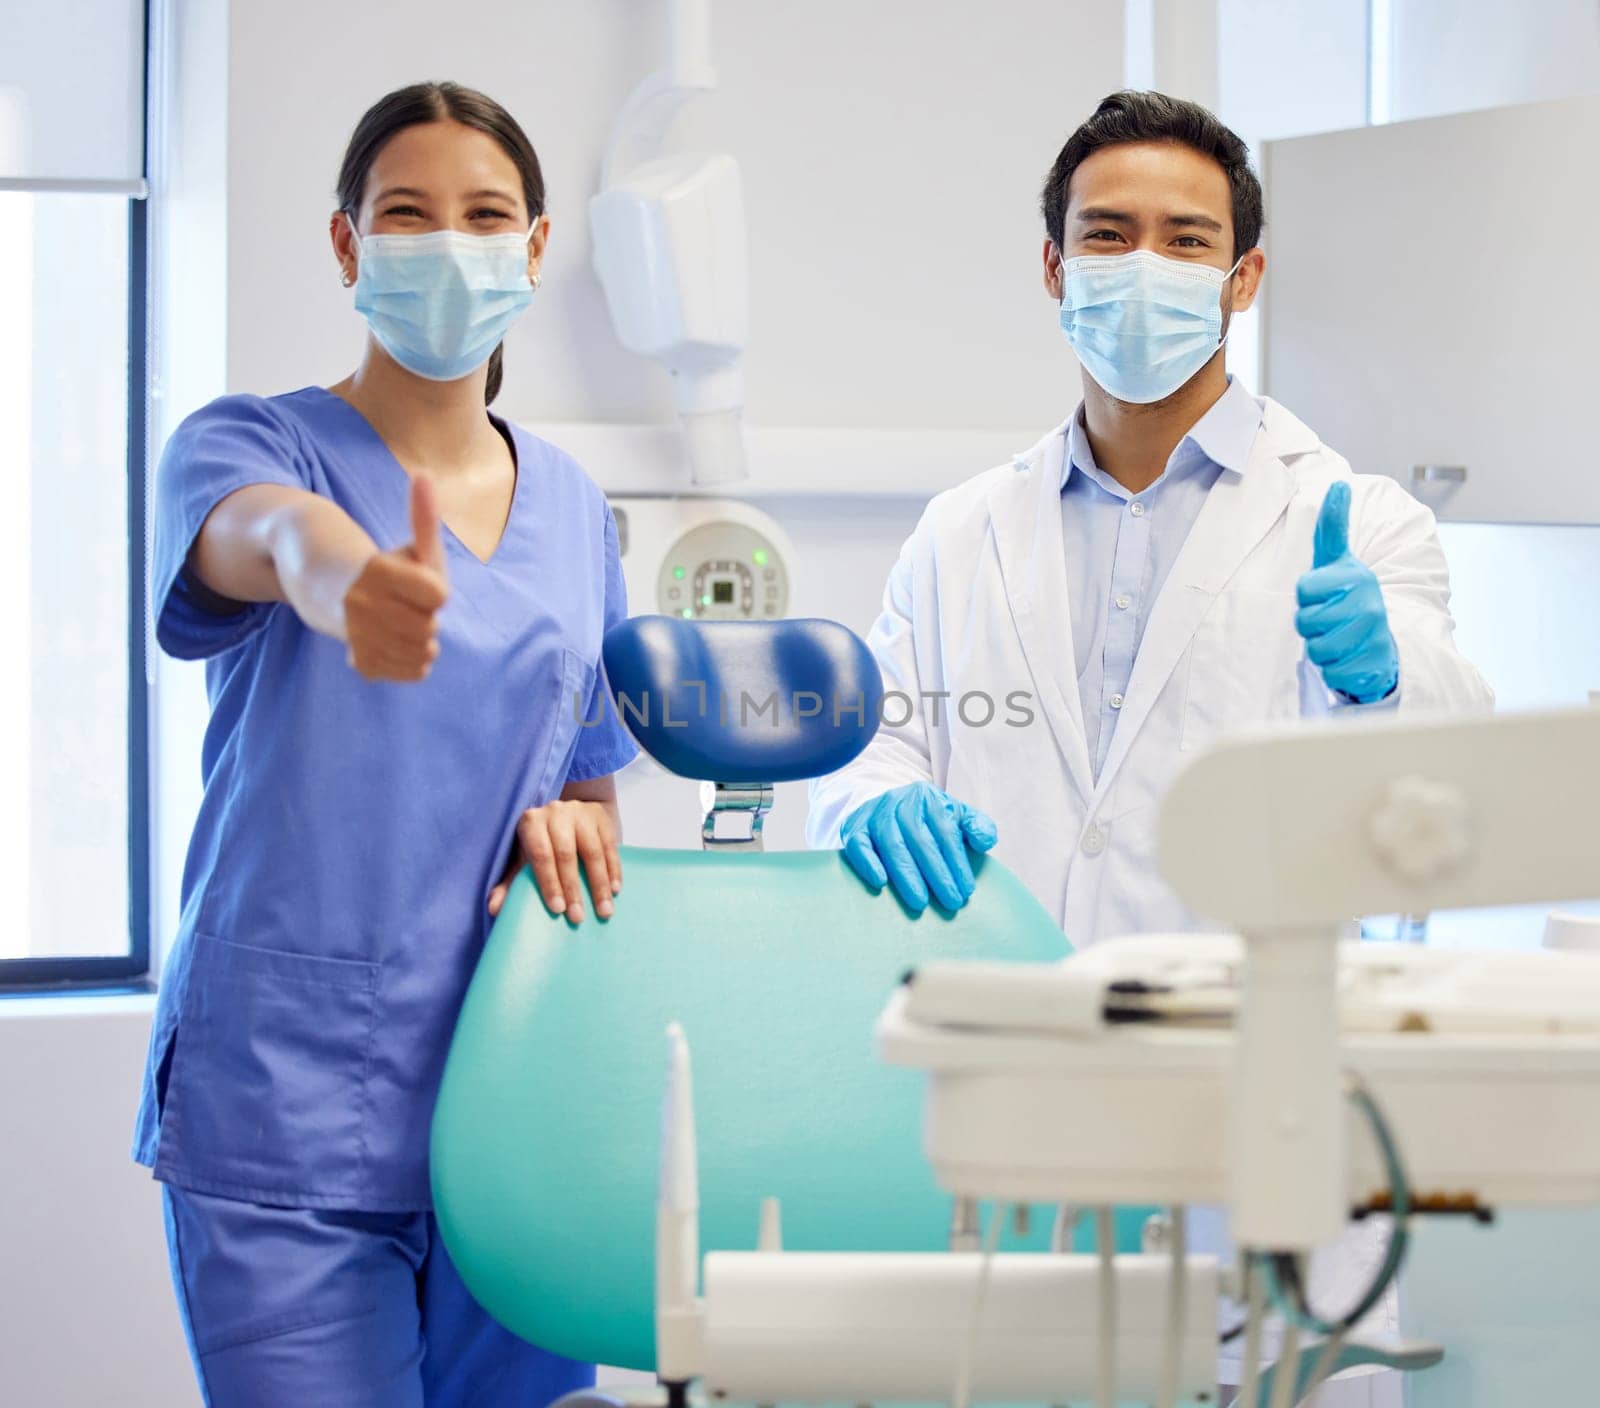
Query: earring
(536, 281)
(344, 278)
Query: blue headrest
(744, 701)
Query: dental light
(669, 250)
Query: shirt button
(1136, 509)
(1124, 602)
(1094, 841)
(1116, 701)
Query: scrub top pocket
(271, 1059)
(577, 680)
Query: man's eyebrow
(1105, 215)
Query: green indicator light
(677, 573)
(759, 557)
(705, 600)
(688, 612)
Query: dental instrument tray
(1042, 1089)
(1187, 978)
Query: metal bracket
(1438, 474)
(752, 799)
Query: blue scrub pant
(289, 1306)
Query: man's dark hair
(1154, 117)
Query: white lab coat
(978, 603)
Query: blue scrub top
(335, 891)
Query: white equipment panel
(1430, 303)
(818, 1327)
(703, 559)
(1142, 1114)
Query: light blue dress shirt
(1121, 546)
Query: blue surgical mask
(1141, 324)
(440, 303)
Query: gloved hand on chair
(915, 838)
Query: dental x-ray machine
(670, 251)
(1297, 1080)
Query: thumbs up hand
(427, 542)
(1342, 617)
(390, 611)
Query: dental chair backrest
(776, 965)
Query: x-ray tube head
(670, 252)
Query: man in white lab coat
(1164, 568)
(1178, 561)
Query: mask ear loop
(533, 229)
(1223, 340)
(355, 236)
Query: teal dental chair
(776, 965)
(545, 1138)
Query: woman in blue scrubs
(400, 599)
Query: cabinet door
(1433, 298)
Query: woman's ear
(344, 246)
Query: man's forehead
(1144, 176)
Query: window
(1521, 594)
(73, 835)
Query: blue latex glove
(1342, 616)
(915, 838)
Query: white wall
(1392, 359)
(892, 155)
(1445, 56)
(87, 1316)
(1288, 67)
(1282, 68)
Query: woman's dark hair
(1154, 117)
(439, 102)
